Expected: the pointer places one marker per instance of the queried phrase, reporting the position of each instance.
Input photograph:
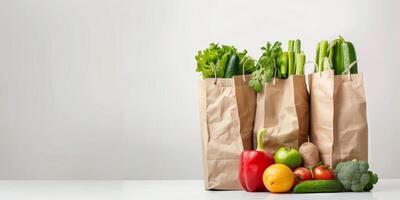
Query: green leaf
(213, 60)
(265, 71)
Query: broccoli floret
(354, 175)
(373, 180)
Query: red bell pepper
(253, 164)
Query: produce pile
(300, 171)
(338, 55)
(289, 169)
(225, 61)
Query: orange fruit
(278, 178)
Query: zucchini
(313, 186)
(345, 54)
(232, 68)
(332, 49)
(338, 64)
(283, 64)
(349, 56)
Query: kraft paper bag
(283, 109)
(338, 117)
(227, 110)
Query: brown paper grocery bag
(283, 109)
(338, 117)
(227, 109)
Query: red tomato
(302, 174)
(323, 172)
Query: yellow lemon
(278, 178)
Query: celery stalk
(300, 61)
(323, 48)
(291, 57)
(296, 49)
(317, 57)
(290, 45)
(297, 46)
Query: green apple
(288, 156)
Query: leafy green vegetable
(373, 180)
(354, 175)
(213, 61)
(248, 62)
(267, 64)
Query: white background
(107, 89)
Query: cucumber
(313, 186)
(338, 59)
(283, 64)
(332, 49)
(349, 56)
(345, 54)
(232, 68)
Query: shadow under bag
(227, 109)
(338, 117)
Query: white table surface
(165, 190)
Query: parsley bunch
(267, 64)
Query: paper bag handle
(244, 63)
(243, 73)
(315, 67)
(275, 73)
(349, 67)
(215, 74)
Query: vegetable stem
(317, 57)
(300, 61)
(292, 68)
(297, 46)
(291, 57)
(283, 64)
(290, 45)
(260, 139)
(323, 48)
